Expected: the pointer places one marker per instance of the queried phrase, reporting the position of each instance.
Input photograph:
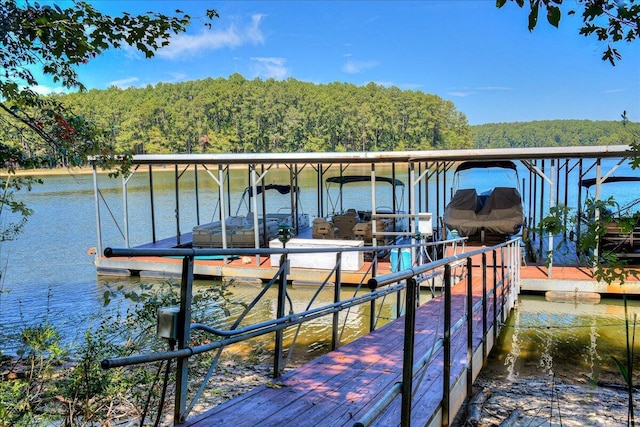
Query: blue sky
(481, 58)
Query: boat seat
(344, 224)
(466, 199)
(364, 230)
(237, 221)
(501, 198)
(323, 229)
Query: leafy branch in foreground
(79, 392)
(611, 21)
(54, 41)
(607, 266)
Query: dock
(347, 387)
(416, 370)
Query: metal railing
(495, 300)
(235, 333)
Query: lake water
(49, 275)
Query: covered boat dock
(551, 178)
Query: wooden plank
(341, 386)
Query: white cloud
(269, 67)
(460, 94)
(355, 67)
(187, 45)
(177, 76)
(124, 83)
(46, 90)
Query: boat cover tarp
(501, 214)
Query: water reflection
(310, 340)
(563, 339)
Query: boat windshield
(623, 191)
(484, 177)
(354, 191)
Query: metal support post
(446, 344)
(485, 352)
(183, 338)
(494, 269)
(177, 189)
(335, 336)
(503, 315)
(282, 297)
(407, 362)
(469, 328)
(372, 303)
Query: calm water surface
(48, 274)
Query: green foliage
(556, 222)
(239, 115)
(53, 41)
(18, 212)
(21, 399)
(554, 133)
(85, 394)
(606, 265)
(610, 21)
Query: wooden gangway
(366, 381)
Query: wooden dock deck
(339, 388)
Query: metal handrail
(183, 352)
(410, 369)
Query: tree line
(554, 133)
(237, 115)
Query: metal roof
(598, 151)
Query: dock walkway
(339, 388)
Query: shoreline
(85, 170)
(542, 400)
